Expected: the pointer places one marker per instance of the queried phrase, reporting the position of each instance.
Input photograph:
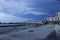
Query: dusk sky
(23, 10)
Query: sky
(24, 10)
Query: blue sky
(23, 10)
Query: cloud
(32, 8)
(10, 18)
(21, 7)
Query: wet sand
(31, 33)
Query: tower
(57, 14)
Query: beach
(44, 32)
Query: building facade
(54, 19)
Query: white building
(54, 18)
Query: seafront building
(54, 19)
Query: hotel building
(54, 19)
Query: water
(4, 25)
